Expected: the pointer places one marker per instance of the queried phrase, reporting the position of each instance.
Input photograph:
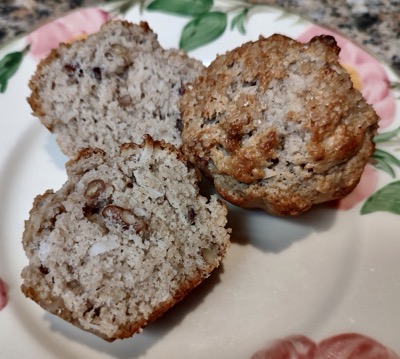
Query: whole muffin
(277, 124)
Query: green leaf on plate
(238, 21)
(395, 85)
(122, 6)
(384, 160)
(386, 199)
(182, 7)
(382, 165)
(9, 65)
(202, 30)
(389, 158)
(386, 136)
(123, 9)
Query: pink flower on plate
(367, 74)
(363, 190)
(71, 27)
(343, 346)
(3, 294)
(296, 347)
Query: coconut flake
(44, 249)
(103, 245)
(149, 183)
(146, 154)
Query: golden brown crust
(29, 226)
(276, 123)
(148, 140)
(56, 307)
(34, 99)
(86, 153)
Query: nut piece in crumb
(277, 124)
(120, 51)
(124, 217)
(94, 189)
(191, 215)
(124, 101)
(210, 255)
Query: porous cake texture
(112, 88)
(124, 239)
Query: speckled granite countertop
(375, 24)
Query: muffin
(277, 125)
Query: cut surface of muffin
(112, 88)
(124, 239)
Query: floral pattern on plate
(343, 346)
(206, 21)
(69, 28)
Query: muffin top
(277, 124)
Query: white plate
(320, 274)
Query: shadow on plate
(270, 233)
(57, 157)
(139, 344)
(275, 234)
